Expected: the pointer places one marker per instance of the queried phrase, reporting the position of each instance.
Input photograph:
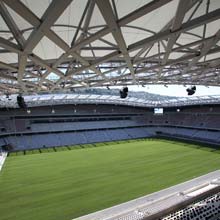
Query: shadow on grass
(205, 147)
(71, 147)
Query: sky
(176, 90)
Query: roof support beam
(123, 21)
(215, 63)
(22, 60)
(78, 67)
(183, 7)
(88, 17)
(9, 46)
(37, 60)
(170, 62)
(167, 26)
(108, 15)
(177, 23)
(7, 66)
(23, 11)
(17, 6)
(148, 8)
(90, 5)
(42, 63)
(5, 87)
(205, 49)
(12, 25)
(8, 77)
(52, 13)
(204, 19)
(117, 53)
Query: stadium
(76, 142)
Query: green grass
(70, 183)
(12, 154)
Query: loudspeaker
(191, 90)
(124, 93)
(21, 102)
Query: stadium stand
(39, 129)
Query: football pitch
(67, 184)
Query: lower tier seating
(32, 141)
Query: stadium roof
(62, 99)
(54, 45)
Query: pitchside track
(66, 184)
